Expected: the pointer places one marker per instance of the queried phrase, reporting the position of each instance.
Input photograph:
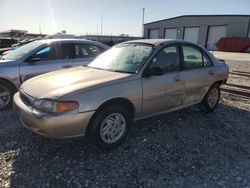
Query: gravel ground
(239, 65)
(187, 148)
(240, 80)
(231, 56)
(235, 61)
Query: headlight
(47, 105)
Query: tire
(101, 132)
(6, 95)
(247, 50)
(211, 100)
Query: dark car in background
(6, 42)
(40, 57)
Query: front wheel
(212, 98)
(6, 94)
(110, 127)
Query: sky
(82, 17)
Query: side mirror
(154, 71)
(34, 59)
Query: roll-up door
(153, 34)
(191, 34)
(215, 33)
(170, 33)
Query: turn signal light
(66, 106)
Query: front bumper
(53, 126)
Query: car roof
(151, 41)
(48, 41)
(66, 40)
(157, 42)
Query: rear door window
(192, 57)
(87, 50)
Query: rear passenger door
(84, 53)
(197, 73)
(49, 58)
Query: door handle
(211, 72)
(66, 66)
(177, 78)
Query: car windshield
(127, 58)
(19, 52)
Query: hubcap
(4, 96)
(213, 97)
(113, 128)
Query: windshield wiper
(112, 70)
(122, 71)
(97, 68)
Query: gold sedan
(131, 81)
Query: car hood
(55, 84)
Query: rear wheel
(6, 95)
(212, 98)
(110, 127)
(247, 50)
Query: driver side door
(163, 92)
(49, 58)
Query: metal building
(205, 30)
(108, 39)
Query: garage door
(153, 34)
(191, 34)
(215, 33)
(170, 33)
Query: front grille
(27, 100)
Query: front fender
(93, 99)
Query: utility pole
(143, 14)
(40, 30)
(101, 24)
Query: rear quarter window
(206, 61)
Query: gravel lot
(188, 148)
(236, 61)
